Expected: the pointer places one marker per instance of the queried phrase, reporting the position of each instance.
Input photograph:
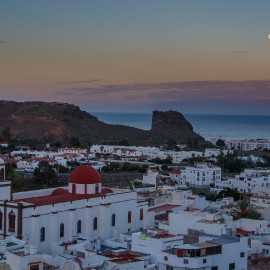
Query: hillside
(43, 122)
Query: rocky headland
(50, 122)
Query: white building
(210, 221)
(32, 163)
(43, 217)
(251, 226)
(151, 177)
(179, 156)
(201, 175)
(149, 152)
(213, 254)
(18, 255)
(175, 175)
(248, 145)
(67, 150)
(2, 170)
(247, 181)
(213, 152)
(153, 241)
(187, 199)
(4, 144)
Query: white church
(44, 217)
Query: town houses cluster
(29, 159)
(160, 222)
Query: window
(113, 220)
(62, 230)
(1, 220)
(79, 226)
(95, 223)
(165, 258)
(97, 188)
(141, 214)
(11, 221)
(232, 266)
(214, 268)
(42, 234)
(81, 254)
(242, 254)
(129, 216)
(185, 261)
(204, 260)
(34, 267)
(2, 175)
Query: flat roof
(223, 241)
(60, 195)
(165, 207)
(206, 245)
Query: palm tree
(244, 209)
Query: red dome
(84, 175)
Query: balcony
(196, 250)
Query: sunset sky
(135, 56)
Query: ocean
(209, 126)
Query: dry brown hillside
(44, 122)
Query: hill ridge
(48, 122)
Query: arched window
(113, 220)
(2, 175)
(62, 230)
(74, 189)
(141, 214)
(95, 223)
(1, 220)
(97, 188)
(11, 221)
(129, 216)
(42, 234)
(79, 226)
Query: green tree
(244, 209)
(229, 192)
(105, 169)
(220, 143)
(164, 168)
(60, 168)
(44, 172)
(129, 167)
(73, 164)
(10, 169)
(231, 163)
(168, 159)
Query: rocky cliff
(43, 122)
(172, 124)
